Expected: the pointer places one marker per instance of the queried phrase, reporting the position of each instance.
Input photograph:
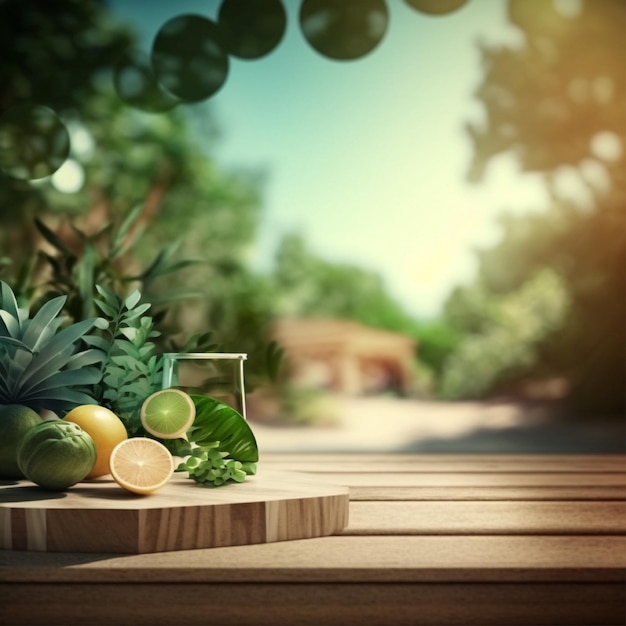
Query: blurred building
(346, 357)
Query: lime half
(168, 414)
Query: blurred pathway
(392, 425)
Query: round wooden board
(100, 516)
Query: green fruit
(56, 454)
(15, 421)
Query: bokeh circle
(344, 30)
(34, 142)
(436, 7)
(189, 59)
(251, 28)
(136, 83)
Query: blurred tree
(305, 284)
(309, 285)
(556, 102)
(62, 55)
(508, 345)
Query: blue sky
(367, 158)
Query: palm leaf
(45, 323)
(16, 343)
(9, 303)
(39, 369)
(74, 378)
(90, 356)
(62, 400)
(60, 344)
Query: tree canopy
(556, 102)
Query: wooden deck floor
(432, 539)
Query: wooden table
(432, 539)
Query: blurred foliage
(509, 345)
(150, 191)
(103, 261)
(556, 100)
(308, 285)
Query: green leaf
(97, 342)
(39, 369)
(45, 323)
(85, 279)
(84, 358)
(62, 341)
(74, 378)
(15, 343)
(216, 421)
(132, 300)
(9, 304)
(107, 309)
(120, 242)
(109, 297)
(129, 333)
(101, 323)
(136, 313)
(9, 326)
(64, 400)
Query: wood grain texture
(488, 518)
(347, 604)
(474, 479)
(382, 559)
(431, 539)
(479, 494)
(99, 516)
(457, 463)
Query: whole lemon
(106, 430)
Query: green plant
(131, 369)
(103, 260)
(219, 447)
(42, 365)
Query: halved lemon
(168, 414)
(141, 465)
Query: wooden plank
(348, 604)
(364, 462)
(99, 516)
(344, 559)
(557, 494)
(560, 566)
(487, 518)
(472, 479)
